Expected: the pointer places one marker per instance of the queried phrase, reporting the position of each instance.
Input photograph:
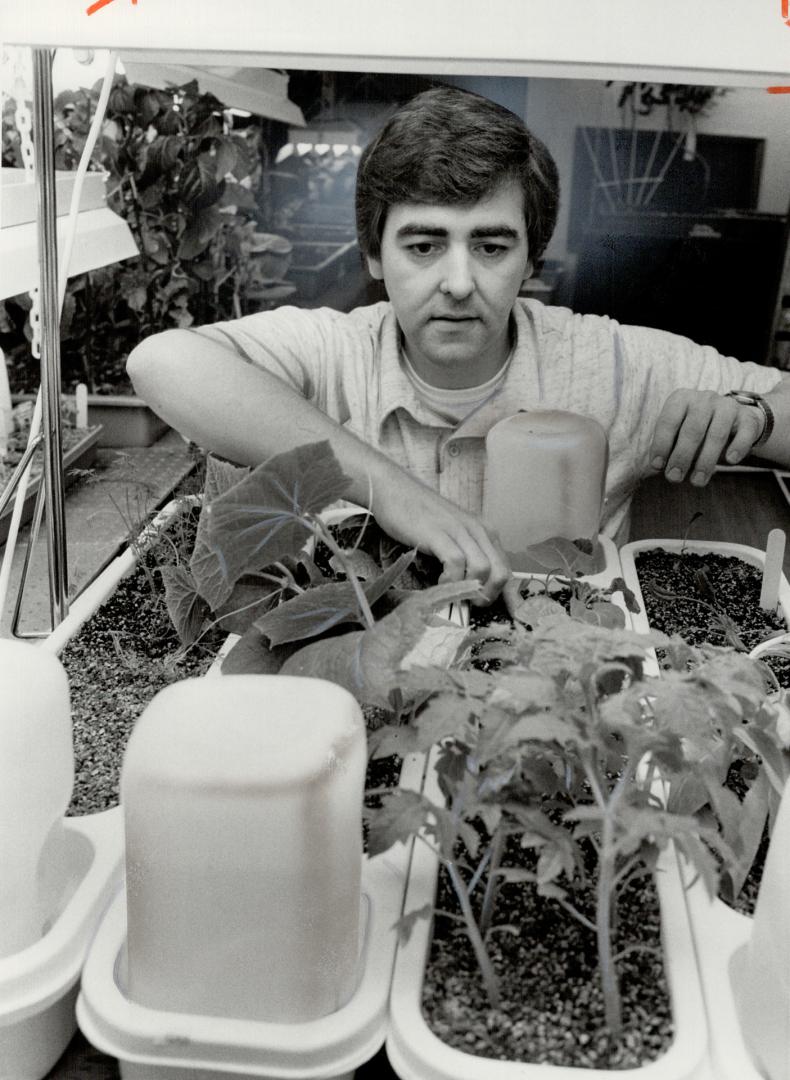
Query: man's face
(453, 274)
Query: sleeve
(655, 362)
(301, 347)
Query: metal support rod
(30, 449)
(43, 128)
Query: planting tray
(628, 553)
(718, 931)
(125, 420)
(417, 1054)
(80, 456)
(38, 986)
(151, 1043)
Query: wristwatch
(748, 397)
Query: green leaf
(367, 662)
(442, 717)
(619, 585)
(364, 566)
(186, 607)
(250, 599)
(319, 609)
(251, 655)
(401, 816)
(200, 232)
(205, 565)
(225, 156)
(406, 922)
(261, 519)
(571, 556)
(198, 185)
(753, 818)
(600, 613)
(391, 739)
(533, 609)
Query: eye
(422, 248)
(491, 250)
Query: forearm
(242, 412)
(247, 415)
(777, 448)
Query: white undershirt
(454, 404)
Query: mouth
(454, 319)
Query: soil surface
(703, 589)
(17, 443)
(727, 586)
(552, 1007)
(126, 653)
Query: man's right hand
(418, 516)
(247, 415)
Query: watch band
(749, 397)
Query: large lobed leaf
(261, 518)
(318, 610)
(368, 662)
(221, 476)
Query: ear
(530, 270)
(374, 268)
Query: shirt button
(453, 449)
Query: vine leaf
(187, 608)
(318, 610)
(261, 518)
(368, 662)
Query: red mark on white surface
(99, 4)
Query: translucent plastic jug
(36, 779)
(545, 476)
(242, 796)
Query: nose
(457, 277)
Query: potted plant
(543, 759)
(357, 1031)
(188, 188)
(79, 453)
(711, 591)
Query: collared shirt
(351, 367)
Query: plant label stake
(772, 573)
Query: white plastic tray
(718, 931)
(38, 986)
(417, 1054)
(151, 1044)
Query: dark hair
(452, 146)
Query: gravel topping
(552, 1007)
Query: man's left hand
(699, 428)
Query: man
(456, 201)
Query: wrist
(761, 407)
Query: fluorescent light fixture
(247, 90)
(102, 237)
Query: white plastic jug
(36, 779)
(545, 477)
(242, 797)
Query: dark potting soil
(126, 653)
(731, 587)
(552, 1008)
(704, 587)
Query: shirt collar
(522, 387)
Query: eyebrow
(479, 233)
